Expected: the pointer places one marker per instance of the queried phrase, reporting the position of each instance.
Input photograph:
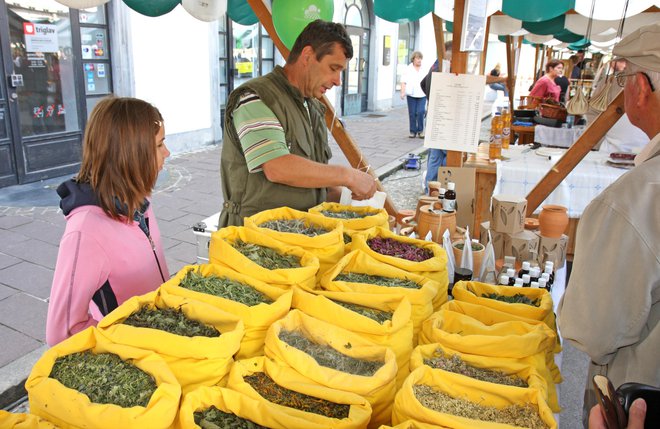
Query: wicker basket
(529, 102)
(552, 111)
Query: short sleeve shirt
(259, 131)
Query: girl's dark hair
(321, 36)
(552, 64)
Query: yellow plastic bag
(378, 389)
(422, 300)
(434, 268)
(68, 408)
(23, 421)
(222, 252)
(256, 319)
(472, 291)
(372, 216)
(328, 247)
(397, 334)
(508, 366)
(195, 361)
(406, 405)
(229, 401)
(412, 424)
(358, 415)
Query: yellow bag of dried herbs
(195, 361)
(422, 299)
(363, 217)
(507, 366)
(351, 411)
(23, 421)
(68, 408)
(256, 315)
(412, 424)
(473, 292)
(371, 372)
(434, 267)
(396, 333)
(439, 390)
(227, 401)
(327, 243)
(223, 252)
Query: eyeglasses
(621, 79)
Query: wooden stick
(482, 66)
(343, 139)
(575, 153)
(511, 69)
(458, 65)
(439, 39)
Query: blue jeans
(416, 113)
(437, 159)
(500, 87)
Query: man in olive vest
(275, 151)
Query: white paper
(377, 201)
(453, 120)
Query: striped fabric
(259, 130)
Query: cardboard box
(202, 231)
(553, 249)
(497, 237)
(524, 245)
(507, 213)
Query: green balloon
(290, 17)
(152, 8)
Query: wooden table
(525, 134)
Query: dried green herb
(377, 280)
(223, 287)
(296, 226)
(105, 378)
(475, 246)
(329, 357)
(379, 316)
(518, 298)
(265, 256)
(515, 415)
(453, 363)
(345, 214)
(170, 320)
(266, 387)
(213, 418)
(399, 249)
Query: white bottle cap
(510, 261)
(504, 279)
(548, 270)
(534, 272)
(525, 278)
(510, 272)
(549, 264)
(545, 276)
(525, 265)
(542, 283)
(451, 186)
(535, 284)
(441, 192)
(519, 282)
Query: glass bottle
(495, 146)
(506, 127)
(449, 202)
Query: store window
(95, 54)
(405, 48)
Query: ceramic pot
(437, 223)
(553, 221)
(477, 256)
(402, 214)
(425, 200)
(434, 188)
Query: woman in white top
(411, 89)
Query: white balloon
(82, 4)
(205, 10)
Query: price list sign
(453, 121)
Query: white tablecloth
(561, 137)
(522, 171)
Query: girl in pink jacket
(106, 255)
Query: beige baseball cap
(641, 47)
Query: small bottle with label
(543, 284)
(495, 146)
(526, 280)
(449, 202)
(506, 127)
(534, 274)
(504, 280)
(525, 268)
(546, 277)
(511, 273)
(518, 282)
(550, 269)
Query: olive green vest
(306, 135)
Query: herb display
(296, 226)
(347, 238)
(223, 287)
(475, 246)
(518, 298)
(329, 357)
(515, 415)
(453, 363)
(105, 378)
(392, 247)
(170, 320)
(265, 256)
(377, 280)
(379, 316)
(213, 418)
(345, 214)
(266, 387)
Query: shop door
(354, 95)
(41, 135)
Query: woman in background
(111, 248)
(546, 87)
(411, 89)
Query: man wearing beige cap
(611, 308)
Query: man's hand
(362, 185)
(636, 416)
